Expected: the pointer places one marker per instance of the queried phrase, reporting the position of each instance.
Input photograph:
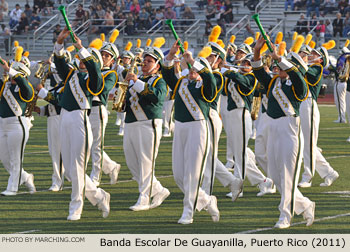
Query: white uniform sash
(78, 93)
(282, 99)
(136, 107)
(189, 101)
(11, 101)
(236, 97)
(264, 101)
(52, 110)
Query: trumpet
(41, 70)
(119, 99)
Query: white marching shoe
(73, 217)
(121, 132)
(236, 187)
(104, 205)
(166, 133)
(30, 184)
(229, 165)
(305, 184)
(281, 224)
(229, 195)
(213, 209)
(266, 187)
(159, 198)
(8, 193)
(309, 214)
(139, 207)
(114, 174)
(348, 140)
(54, 188)
(185, 220)
(329, 179)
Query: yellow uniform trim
(176, 86)
(251, 91)
(225, 87)
(109, 72)
(65, 81)
(103, 84)
(222, 81)
(31, 97)
(319, 78)
(2, 89)
(307, 94)
(155, 82)
(270, 84)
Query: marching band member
(99, 116)
(193, 94)
(75, 130)
(15, 93)
(143, 127)
(285, 93)
(310, 120)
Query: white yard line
(28, 232)
(294, 224)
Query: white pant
(240, 128)
(262, 131)
(54, 142)
(167, 115)
(339, 99)
(75, 132)
(190, 149)
(121, 117)
(215, 169)
(141, 142)
(348, 105)
(285, 145)
(224, 115)
(313, 159)
(99, 119)
(14, 134)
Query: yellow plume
(96, 43)
(178, 51)
(312, 44)
(298, 42)
(221, 43)
(159, 42)
(205, 52)
(71, 48)
(138, 43)
(295, 34)
(308, 39)
(18, 54)
(26, 54)
(249, 41)
(114, 36)
(346, 43)
(279, 38)
(15, 43)
(232, 39)
(148, 42)
(185, 45)
(77, 56)
(215, 33)
(128, 46)
(102, 37)
(329, 45)
(263, 48)
(282, 48)
(257, 35)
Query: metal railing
(240, 25)
(276, 26)
(259, 7)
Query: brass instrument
(256, 105)
(344, 73)
(41, 70)
(119, 99)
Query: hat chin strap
(216, 59)
(152, 67)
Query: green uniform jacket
(110, 78)
(295, 89)
(23, 92)
(313, 78)
(91, 84)
(219, 88)
(151, 99)
(244, 84)
(203, 92)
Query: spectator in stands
(320, 31)
(130, 24)
(117, 11)
(4, 9)
(79, 15)
(221, 23)
(159, 16)
(15, 16)
(56, 32)
(248, 31)
(187, 14)
(311, 6)
(179, 7)
(329, 30)
(169, 14)
(144, 20)
(100, 12)
(201, 4)
(28, 11)
(108, 23)
(328, 6)
(346, 25)
(48, 6)
(338, 25)
(313, 22)
(169, 3)
(289, 2)
(210, 11)
(299, 4)
(342, 4)
(128, 4)
(34, 21)
(94, 24)
(92, 10)
(208, 27)
(227, 15)
(6, 34)
(135, 7)
(23, 24)
(302, 25)
(148, 7)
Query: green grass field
(45, 212)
